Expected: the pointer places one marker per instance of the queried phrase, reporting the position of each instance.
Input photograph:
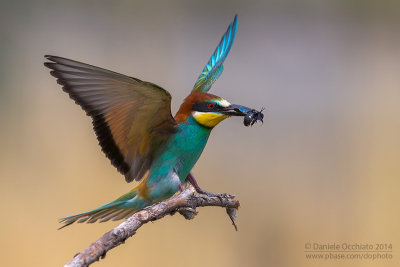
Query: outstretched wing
(131, 118)
(214, 66)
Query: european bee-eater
(135, 129)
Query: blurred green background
(324, 167)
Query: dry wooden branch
(185, 203)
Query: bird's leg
(180, 187)
(190, 178)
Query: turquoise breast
(181, 152)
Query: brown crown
(186, 108)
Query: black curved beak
(236, 110)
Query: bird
(135, 128)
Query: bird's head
(208, 110)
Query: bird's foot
(190, 178)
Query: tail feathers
(103, 214)
(121, 208)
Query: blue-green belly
(179, 155)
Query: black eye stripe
(206, 107)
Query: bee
(252, 117)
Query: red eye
(211, 106)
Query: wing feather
(131, 118)
(214, 66)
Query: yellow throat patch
(209, 119)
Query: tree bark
(185, 203)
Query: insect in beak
(253, 116)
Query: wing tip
(51, 58)
(235, 23)
(201, 85)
